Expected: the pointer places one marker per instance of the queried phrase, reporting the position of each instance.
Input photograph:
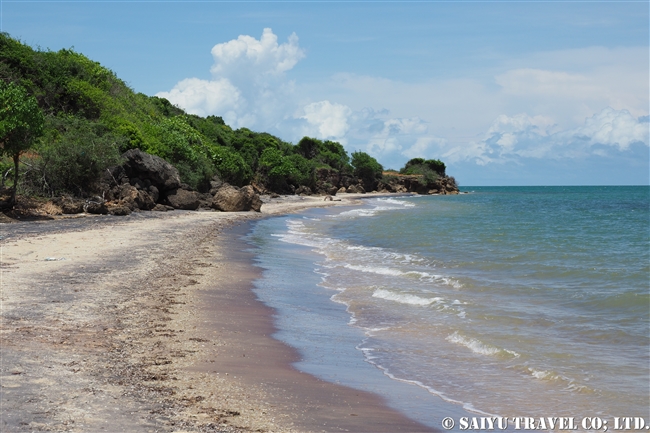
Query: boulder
(303, 190)
(231, 199)
(156, 170)
(97, 208)
(183, 199)
(356, 189)
(341, 190)
(69, 205)
(119, 210)
(162, 208)
(133, 198)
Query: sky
(505, 93)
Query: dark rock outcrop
(418, 184)
(355, 189)
(183, 199)
(119, 210)
(303, 190)
(145, 167)
(98, 208)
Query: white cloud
(522, 136)
(559, 97)
(203, 97)
(248, 85)
(613, 128)
(425, 147)
(331, 120)
(264, 56)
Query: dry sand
(148, 323)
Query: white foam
(393, 201)
(358, 213)
(375, 270)
(478, 346)
(404, 298)
(474, 345)
(466, 405)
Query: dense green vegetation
(90, 117)
(431, 169)
(21, 122)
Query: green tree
(367, 169)
(21, 123)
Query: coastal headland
(148, 323)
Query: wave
(422, 276)
(370, 359)
(479, 347)
(379, 205)
(405, 298)
(569, 384)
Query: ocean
(507, 301)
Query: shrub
(230, 165)
(72, 157)
(367, 169)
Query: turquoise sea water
(513, 301)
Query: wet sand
(149, 323)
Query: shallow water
(510, 301)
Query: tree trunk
(13, 193)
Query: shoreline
(122, 334)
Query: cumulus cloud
(203, 97)
(613, 128)
(331, 120)
(559, 98)
(511, 138)
(260, 57)
(248, 85)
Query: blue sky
(506, 93)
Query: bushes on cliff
(71, 157)
(231, 166)
(367, 169)
(93, 116)
(430, 169)
(324, 153)
(421, 165)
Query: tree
(367, 169)
(21, 123)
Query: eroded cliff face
(418, 184)
(331, 182)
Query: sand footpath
(147, 323)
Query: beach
(149, 323)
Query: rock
(326, 175)
(162, 208)
(119, 210)
(341, 190)
(97, 208)
(183, 199)
(133, 198)
(154, 193)
(231, 199)
(138, 183)
(144, 201)
(156, 170)
(356, 189)
(70, 206)
(303, 190)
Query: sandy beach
(148, 323)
